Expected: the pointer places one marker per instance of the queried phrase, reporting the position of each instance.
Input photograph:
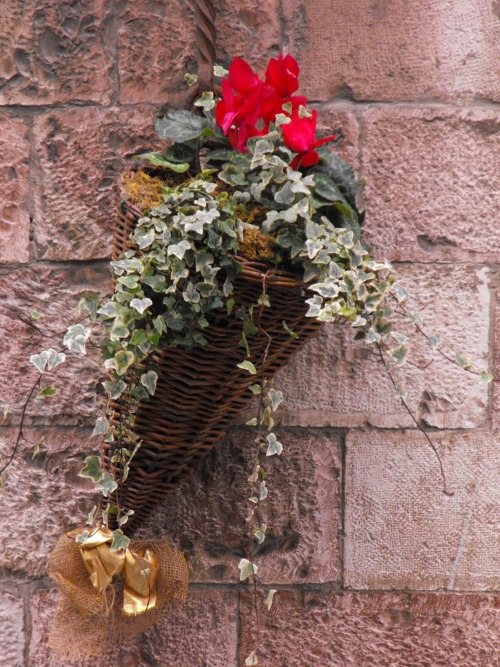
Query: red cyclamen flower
(300, 135)
(237, 114)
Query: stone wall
(373, 563)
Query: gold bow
(139, 569)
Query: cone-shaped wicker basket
(200, 391)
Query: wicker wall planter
(201, 391)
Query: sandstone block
(388, 51)
(11, 625)
(382, 629)
(14, 180)
(402, 531)
(206, 516)
(203, 632)
(495, 389)
(152, 74)
(80, 154)
(335, 381)
(55, 292)
(432, 193)
(55, 52)
(43, 497)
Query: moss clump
(143, 190)
(256, 245)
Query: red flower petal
(299, 133)
(242, 78)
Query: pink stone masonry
(374, 566)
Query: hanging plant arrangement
(231, 248)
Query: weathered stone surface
(402, 531)
(80, 154)
(495, 388)
(339, 118)
(382, 629)
(55, 52)
(55, 292)
(201, 633)
(11, 625)
(156, 47)
(152, 74)
(43, 497)
(433, 193)
(389, 51)
(206, 516)
(335, 381)
(14, 218)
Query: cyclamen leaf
(120, 541)
(180, 126)
(159, 160)
(92, 468)
(149, 381)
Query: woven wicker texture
(200, 391)
(86, 625)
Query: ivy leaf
(35, 315)
(274, 446)
(149, 381)
(76, 337)
(255, 389)
(263, 491)
(463, 362)
(106, 484)
(48, 391)
(123, 360)
(247, 366)
(270, 598)
(260, 533)
(180, 126)
(92, 468)
(179, 249)
(485, 377)
(55, 358)
(36, 448)
(82, 537)
(143, 241)
(276, 398)
(251, 660)
(40, 360)
(251, 422)
(247, 569)
(91, 303)
(141, 304)
(92, 516)
(120, 541)
(125, 517)
(114, 389)
(289, 331)
(399, 354)
(101, 427)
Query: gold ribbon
(139, 570)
